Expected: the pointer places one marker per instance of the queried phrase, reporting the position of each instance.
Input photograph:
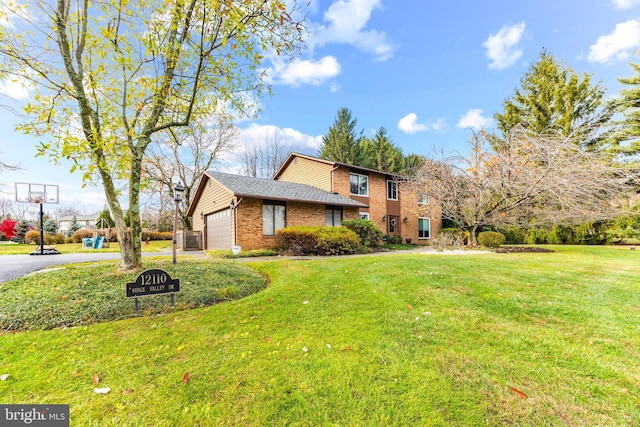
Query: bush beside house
(318, 240)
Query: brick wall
(249, 219)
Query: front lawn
(402, 339)
(8, 248)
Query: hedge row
(33, 236)
(113, 237)
(318, 240)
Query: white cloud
(256, 134)
(625, 4)
(616, 45)
(503, 47)
(303, 71)
(346, 21)
(409, 124)
(12, 11)
(15, 87)
(474, 120)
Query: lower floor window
(334, 216)
(273, 218)
(364, 215)
(424, 228)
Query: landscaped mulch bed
(520, 249)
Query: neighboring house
(245, 211)
(394, 209)
(85, 221)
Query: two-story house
(237, 210)
(389, 204)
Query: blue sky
(425, 70)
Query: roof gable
(289, 159)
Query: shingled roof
(257, 188)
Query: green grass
(69, 248)
(85, 294)
(402, 339)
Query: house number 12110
(154, 279)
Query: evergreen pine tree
(74, 226)
(553, 98)
(626, 137)
(341, 144)
(381, 154)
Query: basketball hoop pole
(41, 230)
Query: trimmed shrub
(318, 240)
(393, 239)
(491, 239)
(370, 235)
(157, 235)
(81, 234)
(514, 235)
(33, 236)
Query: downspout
(233, 205)
(335, 167)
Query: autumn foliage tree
(537, 179)
(7, 228)
(109, 75)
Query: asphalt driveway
(14, 266)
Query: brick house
(245, 211)
(394, 209)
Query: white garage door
(219, 230)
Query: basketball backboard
(36, 193)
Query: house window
(392, 190)
(364, 215)
(424, 199)
(273, 217)
(334, 216)
(424, 228)
(359, 184)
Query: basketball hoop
(37, 197)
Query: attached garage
(245, 211)
(218, 230)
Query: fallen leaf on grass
(409, 307)
(519, 393)
(103, 390)
(180, 348)
(96, 379)
(185, 378)
(347, 348)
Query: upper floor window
(392, 190)
(424, 199)
(273, 217)
(334, 216)
(359, 184)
